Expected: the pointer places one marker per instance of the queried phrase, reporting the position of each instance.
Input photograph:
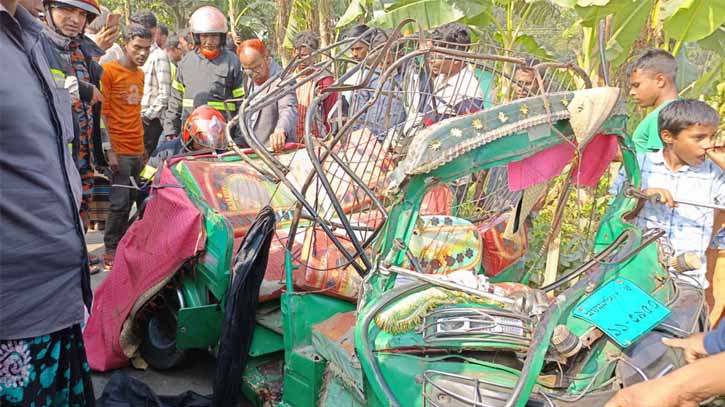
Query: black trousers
(151, 132)
(121, 199)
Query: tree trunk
(179, 16)
(232, 14)
(127, 11)
(325, 23)
(280, 28)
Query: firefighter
(209, 68)
(71, 58)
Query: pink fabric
(437, 201)
(547, 164)
(540, 167)
(152, 250)
(597, 156)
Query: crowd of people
(80, 94)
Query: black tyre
(158, 346)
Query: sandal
(108, 261)
(94, 264)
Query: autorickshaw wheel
(158, 346)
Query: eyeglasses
(254, 69)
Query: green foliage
(354, 12)
(634, 21)
(254, 18)
(427, 13)
(299, 20)
(163, 11)
(715, 41)
(706, 83)
(695, 20)
(531, 46)
(627, 24)
(584, 208)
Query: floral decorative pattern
(524, 110)
(46, 371)
(444, 244)
(14, 364)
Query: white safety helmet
(208, 20)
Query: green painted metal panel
(262, 381)
(303, 377)
(199, 327)
(194, 292)
(336, 393)
(403, 373)
(213, 267)
(265, 341)
(302, 310)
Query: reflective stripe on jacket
(217, 80)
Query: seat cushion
(445, 244)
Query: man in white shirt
(359, 52)
(457, 87)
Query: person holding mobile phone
(104, 30)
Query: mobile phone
(113, 20)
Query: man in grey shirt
(275, 124)
(44, 279)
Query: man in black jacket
(210, 68)
(71, 54)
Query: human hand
(693, 347)
(717, 155)
(277, 141)
(660, 195)
(112, 160)
(106, 37)
(97, 96)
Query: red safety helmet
(205, 126)
(89, 6)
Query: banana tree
(633, 25)
(506, 21)
(357, 11)
(302, 16)
(247, 18)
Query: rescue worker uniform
(220, 78)
(72, 67)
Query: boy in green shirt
(652, 80)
